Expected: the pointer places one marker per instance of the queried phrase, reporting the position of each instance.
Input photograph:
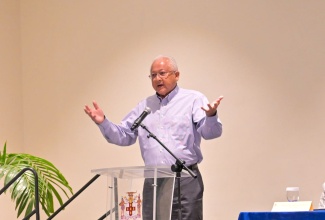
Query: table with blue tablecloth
(310, 215)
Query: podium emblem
(130, 206)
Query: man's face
(164, 78)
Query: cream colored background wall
(11, 114)
(265, 57)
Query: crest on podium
(130, 206)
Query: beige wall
(265, 57)
(11, 114)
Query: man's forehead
(160, 63)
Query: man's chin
(160, 90)
(161, 93)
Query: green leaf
(22, 204)
(30, 207)
(3, 155)
(50, 180)
(50, 203)
(57, 195)
(20, 198)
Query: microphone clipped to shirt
(138, 121)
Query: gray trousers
(191, 198)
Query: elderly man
(179, 118)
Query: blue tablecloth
(311, 215)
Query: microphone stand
(177, 167)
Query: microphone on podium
(138, 121)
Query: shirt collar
(170, 96)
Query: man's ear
(177, 75)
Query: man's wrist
(212, 114)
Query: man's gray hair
(172, 61)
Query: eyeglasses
(162, 75)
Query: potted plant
(50, 181)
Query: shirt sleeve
(211, 127)
(208, 127)
(119, 134)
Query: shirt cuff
(104, 124)
(212, 120)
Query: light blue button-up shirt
(177, 121)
